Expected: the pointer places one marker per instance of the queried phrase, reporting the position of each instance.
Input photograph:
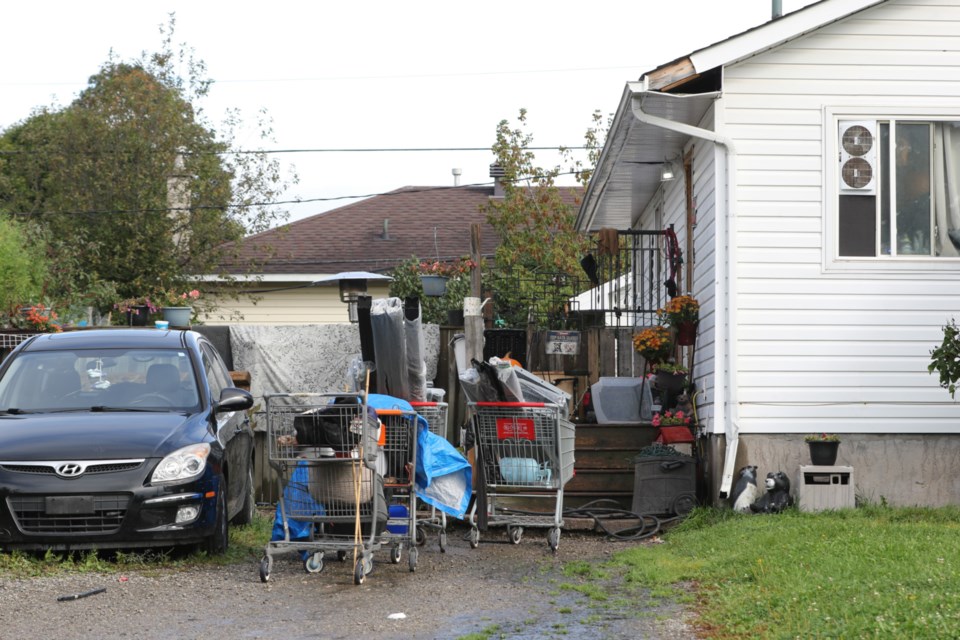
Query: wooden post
(472, 305)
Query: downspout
(725, 375)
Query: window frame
(879, 264)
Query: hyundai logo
(69, 469)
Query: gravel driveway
(518, 590)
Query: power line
(324, 150)
(250, 205)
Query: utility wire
(14, 152)
(248, 205)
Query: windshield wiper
(13, 411)
(120, 409)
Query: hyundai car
(122, 438)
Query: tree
(540, 247)
(23, 268)
(91, 179)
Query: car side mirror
(233, 400)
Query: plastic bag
(444, 477)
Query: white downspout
(725, 375)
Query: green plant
(671, 367)
(680, 309)
(653, 343)
(945, 359)
(406, 283)
(671, 419)
(821, 437)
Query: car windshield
(99, 379)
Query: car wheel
(216, 544)
(249, 508)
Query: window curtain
(946, 196)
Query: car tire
(249, 508)
(218, 542)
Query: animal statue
(777, 497)
(746, 491)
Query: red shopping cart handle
(423, 404)
(510, 404)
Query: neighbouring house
(373, 235)
(815, 196)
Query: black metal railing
(624, 280)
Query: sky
(337, 76)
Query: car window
(159, 379)
(217, 375)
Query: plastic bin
(664, 485)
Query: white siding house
(822, 293)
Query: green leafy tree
(23, 268)
(91, 179)
(540, 247)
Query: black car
(122, 438)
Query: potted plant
(40, 318)
(654, 344)
(176, 306)
(823, 448)
(670, 376)
(136, 311)
(683, 314)
(414, 278)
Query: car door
(233, 429)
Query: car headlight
(182, 465)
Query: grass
(245, 543)
(873, 572)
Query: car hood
(97, 435)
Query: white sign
(563, 343)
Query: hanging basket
(434, 286)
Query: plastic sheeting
(312, 358)
(443, 477)
(390, 347)
(416, 368)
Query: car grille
(106, 517)
(47, 469)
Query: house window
(898, 192)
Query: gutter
(725, 374)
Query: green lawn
(873, 572)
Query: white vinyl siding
(820, 349)
(288, 305)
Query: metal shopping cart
(524, 455)
(400, 461)
(435, 413)
(324, 448)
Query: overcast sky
(376, 75)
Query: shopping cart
(524, 455)
(330, 474)
(400, 461)
(435, 413)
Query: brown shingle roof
(353, 238)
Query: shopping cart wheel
(396, 553)
(266, 564)
(474, 538)
(515, 533)
(358, 573)
(313, 563)
(413, 558)
(443, 541)
(421, 537)
(553, 538)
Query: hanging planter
(434, 286)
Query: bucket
(398, 512)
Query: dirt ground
(502, 589)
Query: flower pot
(177, 316)
(137, 316)
(670, 382)
(434, 286)
(823, 452)
(686, 333)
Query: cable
(14, 152)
